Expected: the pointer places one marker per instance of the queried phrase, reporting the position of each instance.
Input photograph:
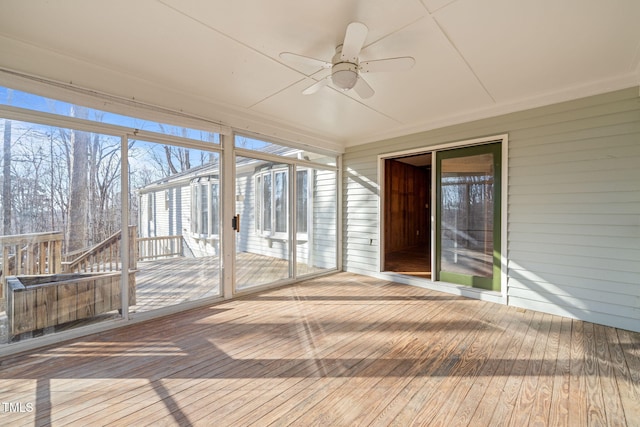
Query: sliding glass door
(262, 222)
(175, 206)
(468, 212)
(286, 218)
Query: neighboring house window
(272, 200)
(150, 207)
(203, 208)
(302, 206)
(279, 200)
(205, 202)
(149, 226)
(214, 203)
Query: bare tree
(23, 163)
(6, 179)
(59, 175)
(106, 179)
(176, 158)
(76, 237)
(29, 175)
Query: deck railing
(28, 254)
(41, 253)
(151, 248)
(105, 256)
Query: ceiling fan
(346, 68)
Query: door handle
(235, 223)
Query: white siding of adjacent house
(171, 216)
(250, 239)
(195, 245)
(573, 218)
(322, 226)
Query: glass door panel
(60, 246)
(175, 204)
(262, 223)
(468, 226)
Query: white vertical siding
(574, 205)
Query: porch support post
(125, 250)
(228, 212)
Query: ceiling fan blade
(305, 60)
(389, 64)
(353, 41)
(316, 86)
(363, 89)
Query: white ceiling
(219, 59)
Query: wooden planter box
(40, 301)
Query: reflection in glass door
(468, 226)
(262, 222)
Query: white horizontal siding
(565, 279)
(322, 227)
(573, 221)
(360, 214)
(249, 240)
(324, 219)
(576, 185)
(589, 296)
(584, 251)
(172, 217)
(624, 243)
(554, 264)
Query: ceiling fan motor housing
(345, 66)
(344, 75)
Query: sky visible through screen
(16, 98)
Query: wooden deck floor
(170, 281)
(333, 351)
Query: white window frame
(258, 180)
(304, 236)
(198, 185)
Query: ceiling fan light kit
(344, 75)
(345, 65)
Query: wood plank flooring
(170, 281)
(341, 350)
(413, 261)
